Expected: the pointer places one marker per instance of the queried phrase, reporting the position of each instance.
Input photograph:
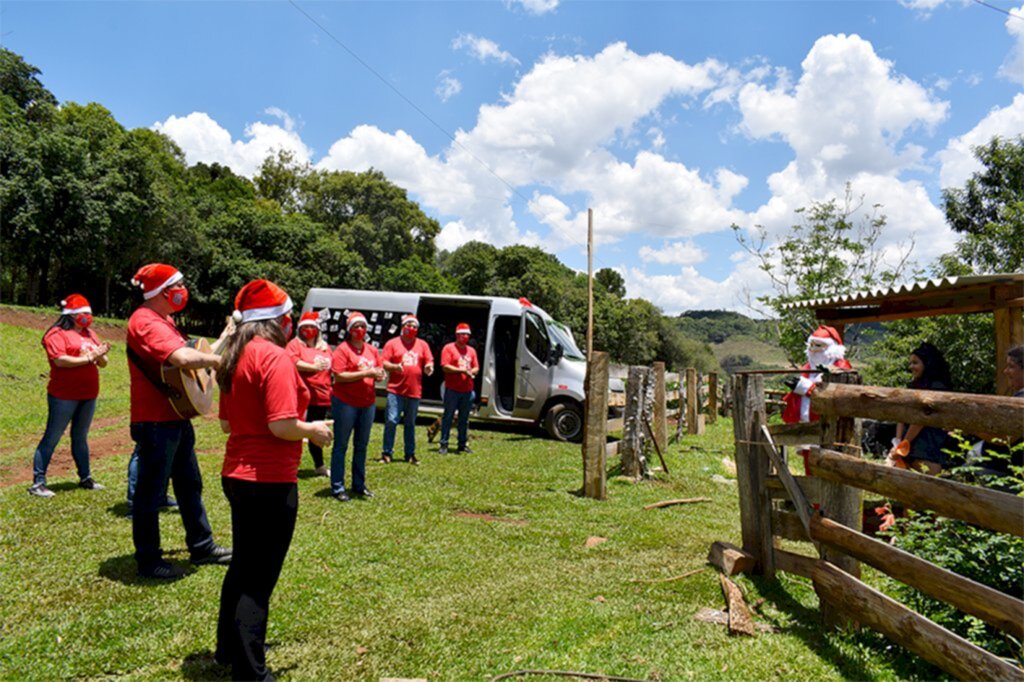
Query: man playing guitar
(165, 441)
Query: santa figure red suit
(824, 349)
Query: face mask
(178, 298)
(462, 339)
(357, 334)
(83, 320)
(286, 326)
(410, 332)
(307, 332)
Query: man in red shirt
(407, 358)
(165, 442)
(460, 365)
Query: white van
(530, 367)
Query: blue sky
(673, 120)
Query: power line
(1000, 9)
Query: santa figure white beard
(826, 357)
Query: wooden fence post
(752, 470)
(595, 427)
(712, 397)
(660, 409)
(840, 503)
(691, 401)
(639, 399)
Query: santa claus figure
(824, 349)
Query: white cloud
(1013, 66)
(482, 49)
(204, 140)
(674, 253)
(537, 7)
(448, 86)
(689, 290)
(958, 162)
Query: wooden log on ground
(910, 630)
(740, 622)
(660, 420)
(992, 606)
(671, 503)
(966, 411)
(595, 428)
(794, 563)
(616, 425)
(611, 450)
(788, 526)
(730, 559)
(712, 397)
(984, 507)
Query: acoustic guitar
(191, 393)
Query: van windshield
(563, 335)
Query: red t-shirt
(266, 388)
(355, 393)
(408, 382)
(71, 383)
(153, 337)
(465, 358)
(318, 383)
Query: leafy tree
(827, 253)
(610, 282)
(472, 266)
(989, 209)
(412, 274)
(19, 81)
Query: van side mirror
(556, 354)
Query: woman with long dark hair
(313, 360)
(75, 354)
(262, 405)
(921, 447)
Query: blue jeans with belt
(400, 408)
(61, 412)
(349, 419)
(461, 401)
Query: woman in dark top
(921, 447)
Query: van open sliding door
(533, 380)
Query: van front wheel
(564, 422)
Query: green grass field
(401, 585)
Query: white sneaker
(40, 490)
(322, 470)
(90, 484)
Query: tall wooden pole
(590, 282)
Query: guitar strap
(151, 376)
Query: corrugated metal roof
(907, 290)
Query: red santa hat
(355, 317)
(827, 335)
(75, 304)
(410, 319)
(462, 328)
(261, 299)
(154, 278)
(310, 319)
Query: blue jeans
(79, 414)
(346, 420)
(133, 478)
(166, 450)
(456, 400)
(400, 408)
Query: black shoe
(443, 450)
(412, 460)
(465, 451)
(215, 555)
(341, 497)
(385, 459)
(162, 571)
(363, 493)
(89, 484)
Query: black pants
(316, 413)
(262, 522)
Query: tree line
(86, 201)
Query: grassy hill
(738, 342)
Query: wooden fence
(828, 512)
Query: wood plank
(616, 424)
(910, 630)
(730, 559)
(595, 429)
(992, 606)
(612, 449)
(984, 507)
(740, 621)
(616, 399)
(691, 401)
(788, 526)
(803, 510)
(967, 411)
(797, 564)
(795, 434)
(755, 504)
(712, 397)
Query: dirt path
(115, 441)
(31, 320)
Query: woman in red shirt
(356, 367)
(313, 360)
(75, 354)
(262, 403)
